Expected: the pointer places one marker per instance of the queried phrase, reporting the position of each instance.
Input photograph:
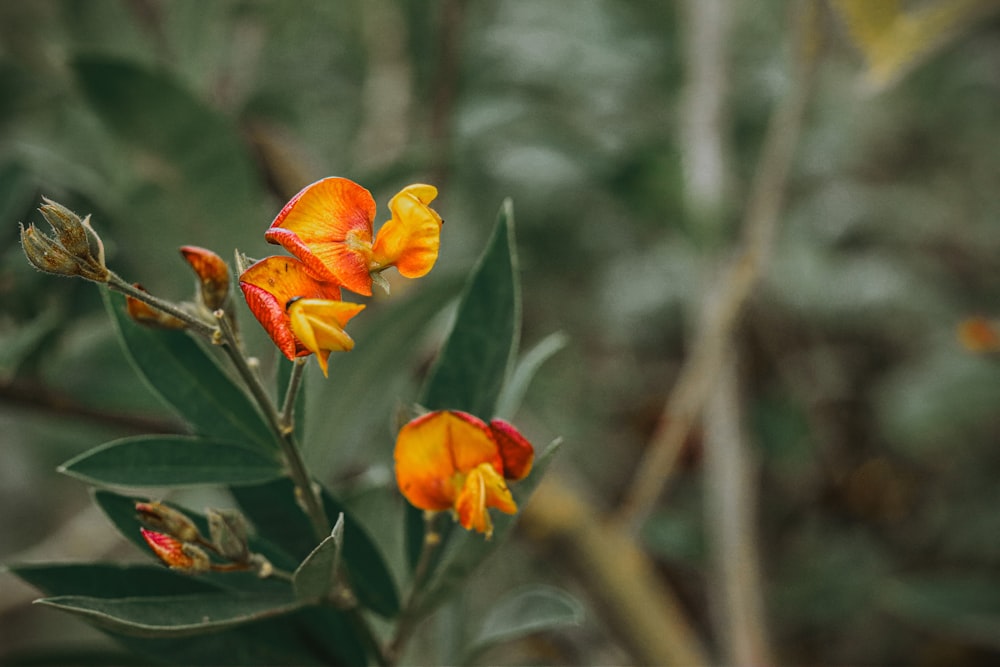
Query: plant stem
(291, 393)
(409, 616)
(116, 283)
(308, 495)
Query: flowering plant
(290, 574)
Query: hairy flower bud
(68, 227)
(45, 254)
(169, 520)
(228, 530)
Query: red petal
(515, 450)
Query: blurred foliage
(187, 122)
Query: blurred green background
(191, 122)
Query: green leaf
(316, 577)
(474, 363)
(525, 371)
(107, 580)
(469, 373)
(272, 509)
(188, 380)
(166, 460)
(466, 550)
(964, 606)
(524, 613)
(175, 615)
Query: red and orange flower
(451, 460)
(328, 228)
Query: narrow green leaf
(316, 577)
(272, 509)
(108, 580)
(166, 460)
(188, 380)
(175, 615)
(524, 613)
(467, 550)
(525, 371)
(473, 364)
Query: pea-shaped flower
(329, 227)
(450, 460)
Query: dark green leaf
(316, 577)
(166, 460)
(524, 613)
(175, 615)
(272, 509)
(107, 580)
(466, 550)
(187, 379)
(473, 364)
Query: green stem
(307, 494)
(410, 615)
(292, 392)
(116, 283)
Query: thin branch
(408, 618)
(725, 303)
(199, 326)
(306, 492)
(292, 392)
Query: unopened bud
(228, 531)
(45, 254)
(175, 553)
(213, 275)
(169, 520)
(68, 227)
(143, 313)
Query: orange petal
(515, 450)
(483, 488)
(411, 238)
(269, 285)
(432, 449)
(168, 549)
(319, 325)
(328, 225)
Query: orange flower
(978, 334)
(302, 315)
(453, 460)
(328, 226)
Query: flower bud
(45, 254)
(213, 275)
(169, 520)
(228, 531)
(143, 313)
(68, 227)
(176, 554)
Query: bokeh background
(872, 433)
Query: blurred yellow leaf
(894, 39)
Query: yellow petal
(410, 240)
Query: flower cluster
(328, 228)
(450, 460)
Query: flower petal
(168, 549)
(269, 285)
(213, 275)
(433, 449)
(319, 326)
(515, 450)
(328, 226)
(410, 240)
(483, 488)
